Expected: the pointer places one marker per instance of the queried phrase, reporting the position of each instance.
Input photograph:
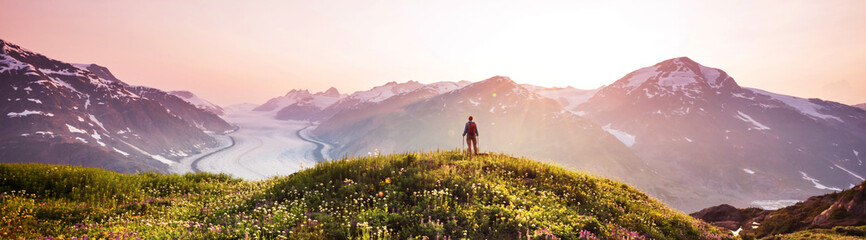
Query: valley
(262, 147)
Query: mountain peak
(500, 78)
(100, 71)
(677, 73)
(682, 59)
(331, 92)
(295, 92)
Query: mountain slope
(413, 195)
(732, 144)
(193, 115)
(861, 106)
(199, 102)
(192, 109)
(55, 112)
(510, 118)
(356, 121)
(846, 208)
(569, 97)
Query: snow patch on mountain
(121, 152)
(474, 102)
(73, 129)
(623, 136)
(802, 105)
(748, 119)
(8, 63)
(749, 171)
(27, 113)
(94, 120)
(817, 183)
(98, 138)
(849, 172)
(380, 93)
(445, 86)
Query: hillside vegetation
(829, 216)
(436, 195)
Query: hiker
(471, 134)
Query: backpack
(472, 129)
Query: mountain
(845, 208)
(199, 102)
(361, 98)
(861, 106)
(56, 112)
(305, 108)
(357, 120)
(277, 103)
(510, 118)
(302, 105)
(569, 97)
(403, 196)
(192, 114)
(203, 116)
(728, 143)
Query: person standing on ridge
(470, 131)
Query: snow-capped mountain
(728, 143)
(55, 112)
(303, 105)
(199, 102)
(201, 114)
(277, 103)
(307, 107)
(372, 96)
(380, 93)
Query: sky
(249, 51)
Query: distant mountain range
(687, 133)
(80, 114)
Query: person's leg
(468, 145)
(475, 145)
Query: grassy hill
(437, 195)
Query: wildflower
(388, 180)
(381, 194)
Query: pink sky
(233, 51)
